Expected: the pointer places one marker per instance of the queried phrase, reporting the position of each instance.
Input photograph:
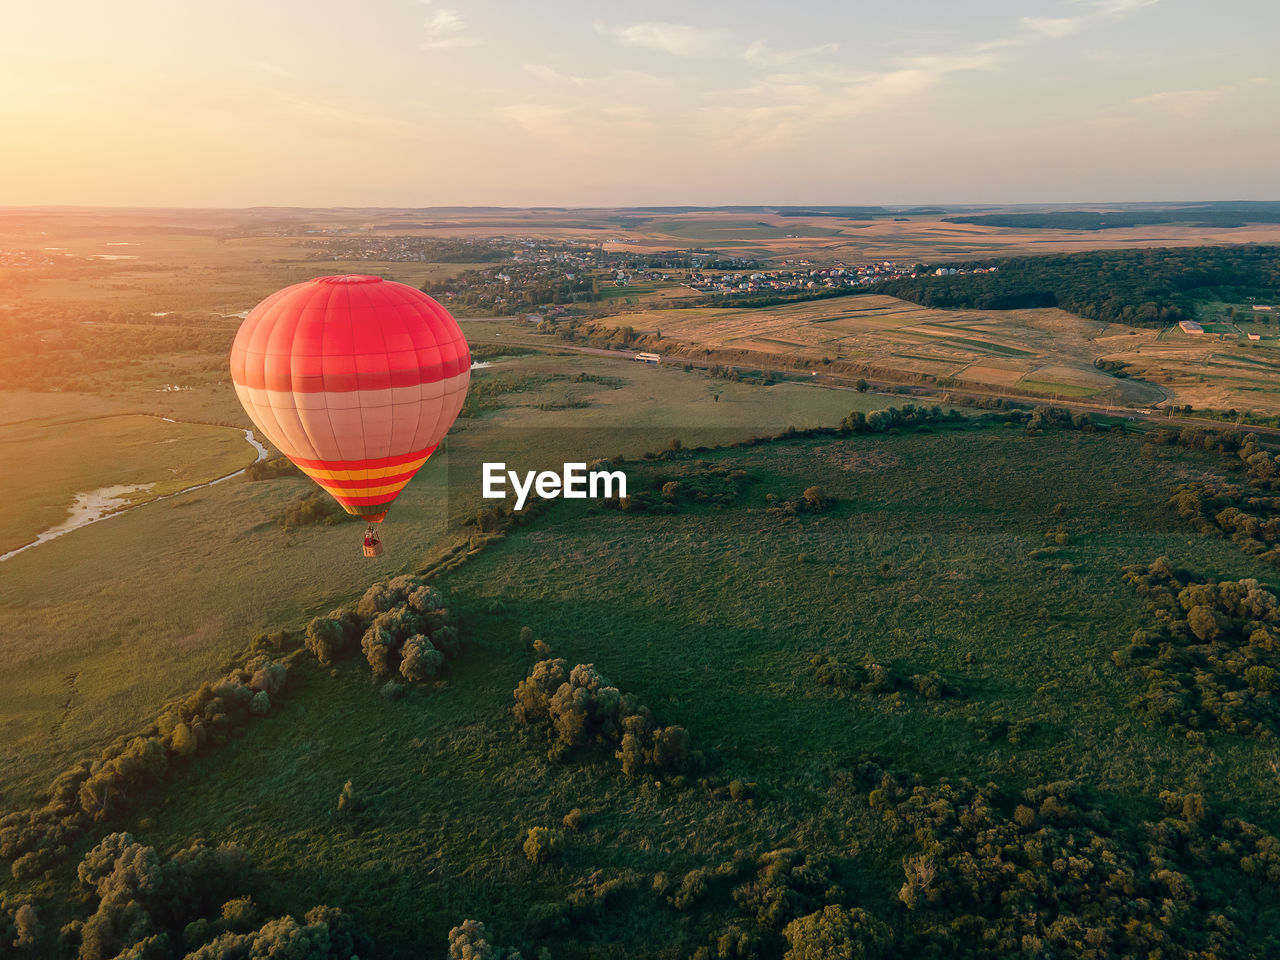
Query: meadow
(940, 552)
(166, 592)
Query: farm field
(1209, 372)
(1045, 352)
(932, 558)
(906, 236)
(214, 247)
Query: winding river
(100, 504)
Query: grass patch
(1058, 389)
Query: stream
(100, 504)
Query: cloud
(638, 78)
(681, 40)
(781, 106)
(552, 75)
(1054, 26)
(562, 122)
(1095, 11)
(448, 29)
(760, 53)
(1119, 8)
(1193, 103)
(675, 39)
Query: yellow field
(1206, 372)
(1042, 352)
(909, 237)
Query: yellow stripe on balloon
(320, 476)
(338, 489)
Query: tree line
(1143, 287)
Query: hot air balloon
(356, 379)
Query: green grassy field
(933, 558)
(166, 592)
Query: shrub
(788, 884)
(331, 637)
(349, 801)
(541, 844)
(421, 660)
(1209, 656)
(836, 932)
(27, 929)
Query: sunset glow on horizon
(411, 103)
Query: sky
(401, 103)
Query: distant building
(1190, 326)
(1254, 336)
(648, 358)
(1260, 308)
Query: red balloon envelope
(355, 379)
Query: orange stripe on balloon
(364, 492)
(357, 477)
(363, 465)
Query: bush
(578, 708)
(331, 637)
(541, 844)
(835, 932)
(349, 801)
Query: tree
(183, 741)
(470, 941)
(328, 638)
(27, 927)
(670, 749)
(815, 498)
(835, 933)
(541, 844)
(379, 649)
(1204, 622)
(348, 800)
(421, 660)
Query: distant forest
(1198, 214)
(1148, 287)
